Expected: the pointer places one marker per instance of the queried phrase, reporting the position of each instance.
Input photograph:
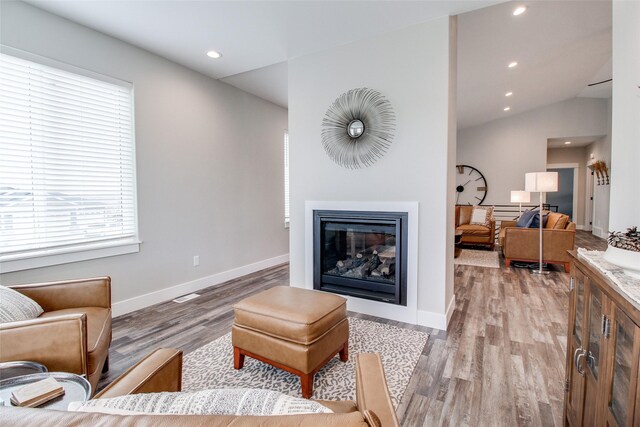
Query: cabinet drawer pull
(580, 371)
(577, 355)
(591, 361)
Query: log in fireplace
(361, 254)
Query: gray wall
(209, 161)
(572, 155)
(505, 149)
(563, 198)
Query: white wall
(505, 149)
(625, 145)
(411, 68)
(209, 163)
(601, 150)
(451, 157)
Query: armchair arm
(159, 371)
(59, 343)
(95, 292)
(508, 223)
(372, 393)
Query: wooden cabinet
(623, 390)
(603, 352)
(574, 385)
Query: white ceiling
(561, 46)
(251, 35)
(604, 88)
(270, 82)
(576, 141)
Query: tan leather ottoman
(293, 329)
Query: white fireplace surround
(408, 313)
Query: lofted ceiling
(251, 35)
(560, 46)
(270, 82)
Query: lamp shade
(520, 197)
(541, 181)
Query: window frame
(84, 251)
(287, 171)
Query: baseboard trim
(437, 320)
(598, 231)
(432, 320)
(450, 309)
(580, 227)
(136, 303)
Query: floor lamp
(520, 197)
(541, 182)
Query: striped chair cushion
(15, 307)
(205, 402)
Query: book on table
(37, 393)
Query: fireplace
(361, 254)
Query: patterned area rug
(211, 366)
(478, 258)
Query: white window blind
(67, 161)
(286, 177)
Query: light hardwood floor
(501, 363)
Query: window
(67, 164)
(286, 178)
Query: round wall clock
(471, 187)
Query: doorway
(566, 198)
(590, 207)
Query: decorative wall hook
(602, 172)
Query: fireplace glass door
(361, 251)
(360, 255)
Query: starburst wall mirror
(358, 127)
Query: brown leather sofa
(522, 244)
(162, 370)
(72, 335)
(474, 234)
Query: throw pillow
(15, 307)
(535, 222)
(242, 401)
(561, 223)
(481, 215)
(525, 219)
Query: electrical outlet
(196, 260)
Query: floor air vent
(186, 298)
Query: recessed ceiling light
(519, 10)
(213, 54)
(567, 142)
(512, 64)
(508, 94)
(507, 108)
